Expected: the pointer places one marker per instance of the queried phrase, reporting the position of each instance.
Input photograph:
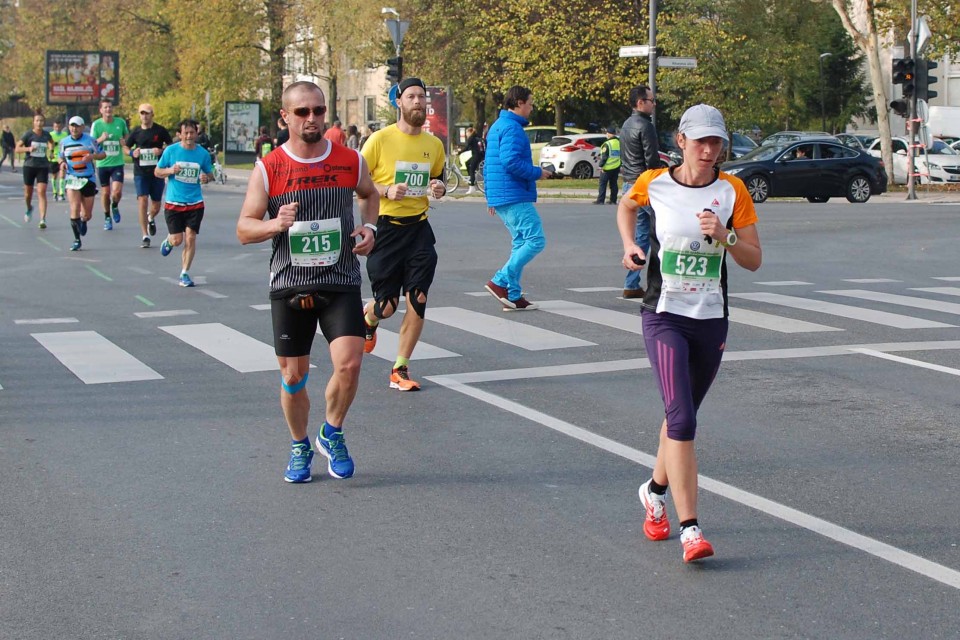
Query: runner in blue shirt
(77, 153)
(187, 166)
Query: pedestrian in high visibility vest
(610, 165)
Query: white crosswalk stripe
(234, 349)
(520, 335)
(93, 358)
(844, 311)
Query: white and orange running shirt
(687, 273)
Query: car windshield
(743, 141)
(939, 146)
(559, 141)
(764, 152)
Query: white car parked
(940, 163)
(576, 155)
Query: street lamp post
(823, 104)
(391, 10)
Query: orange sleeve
(640, 193)
(744, 213)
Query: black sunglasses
(303, 112)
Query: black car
(814, 169)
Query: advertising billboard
(438, 114)
(82, 77)
(240, 125)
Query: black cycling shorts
(38, 175)
(403, 258)
(293, 329)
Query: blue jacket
(509, 175)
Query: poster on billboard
(82, 77)
(438, 114)
(240, 124)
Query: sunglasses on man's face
(303, 112)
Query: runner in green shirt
(56, 171)
(110, 133)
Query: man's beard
(414, 117)
(311, 137)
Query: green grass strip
(98, 273)
(145, 301)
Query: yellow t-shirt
(394, 157)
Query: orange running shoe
(655, 524)
(400, 379)
(694, 546)
(369, 337)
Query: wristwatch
(731, 239)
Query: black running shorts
(403, 258)
(293, 329)
(179, 220)
(38, 175)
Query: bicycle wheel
(453, 180)
(479, 177)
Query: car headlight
(733, 172)
(933, 165)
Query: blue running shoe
(83, 227)
(115, 210)
(335, 449)
(28, 215)
(185, 280)
(298, 470)
(108, 224)
(166, 247)
(75, 246)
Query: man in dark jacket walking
(8, 142)
(639, 151)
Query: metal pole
(652, 81)
(823, 109)
(912, 110)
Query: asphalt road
(500, 501)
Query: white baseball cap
(76, 120)
(703, 121)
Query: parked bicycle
(455, 177)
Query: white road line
(93, 358)
(588, 368)
(528, 337)
(903, 301)
(211, 293)
(47, 321)
(261, 307)
(910, 361)
(878, 549)
(844, 311)
(946, 291)
(597, 315)
(594, 289)
(947, 278)
(388, 342)
(783, 283)
(477, 294)
(234, 349)
(870, 280)
(165, 314)
(776, 323)
(141, 271)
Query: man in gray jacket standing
(639, 151)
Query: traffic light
(899, 107)
(904, 72)
(924, 79)
(394, 70)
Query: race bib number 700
(416, 175)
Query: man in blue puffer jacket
(510, 182)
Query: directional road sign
(677, 63)
(635, 51)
